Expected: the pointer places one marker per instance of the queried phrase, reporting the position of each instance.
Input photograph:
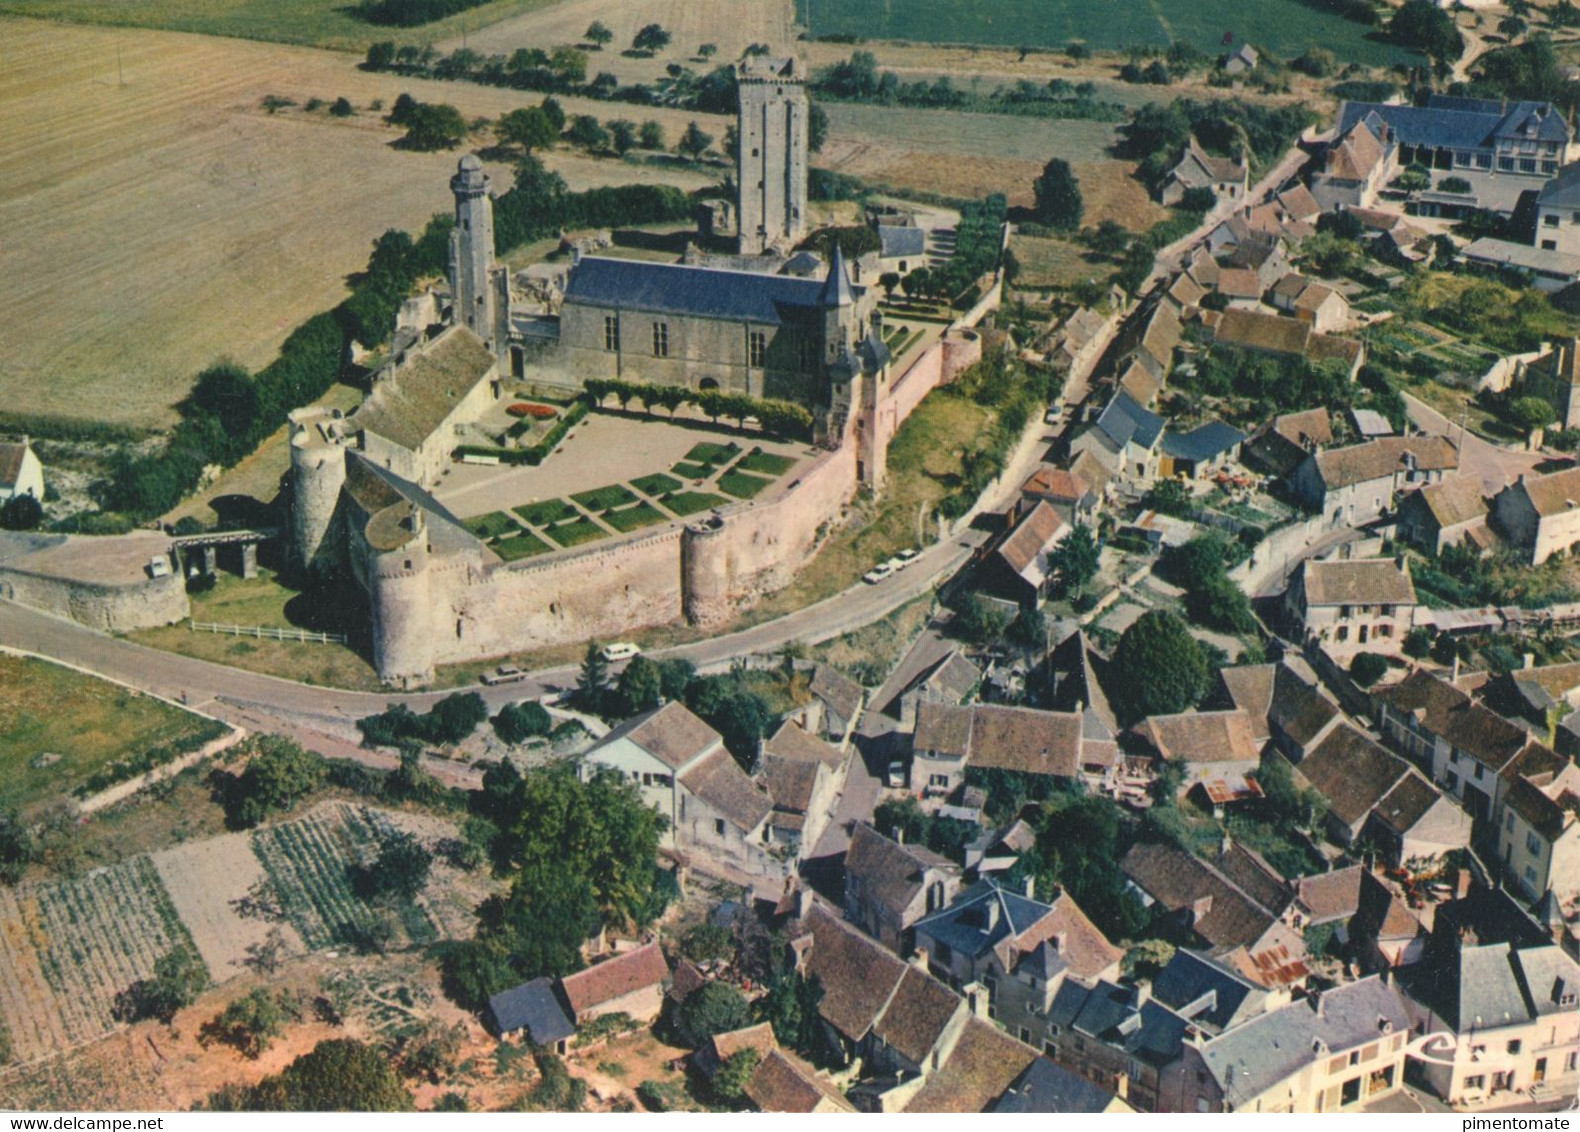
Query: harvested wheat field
(151, 227)
(208, 883)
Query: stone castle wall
(109, 609)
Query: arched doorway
(707, 383)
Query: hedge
(537, 453)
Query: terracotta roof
(687, 977)
(1239, 283)
(1186, 291)
(1351, 772)
(858, 974)
(1250, 872)
(1250, 688)
(416, 399)
(1162, 335)
(1089, 468)
(1456, 500)
(836, 690)
(943, 729)
(1362, 581)
(1258, 331)
(1549, 813)
(1203, 268)
(614, 978)
(720, 782)
(793, 744)
(917, 1015)
(1382, 913)
(985, 1062)
(1333, 348)
(1030, 538)
(1553, 494)
(759, 1037)
(1377, 459)
(1330, 896)
(1140, 384)
(1298, 709)
(1202, 736)
(1023, 739)
(1310, 425)
(1299, 203)
(1222, 914)
(954, 677)
(1086, 950)
(785, 1083)
(1355, 155)
(1049, 482)
(1200, 169)
(671, 734)
(891, 873)
(11, 462)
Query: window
(1527, 165)
(1385, 610)
(663, 780)
(1476, 1082)
(1533, 845)
(611, 332)
(718, 826)
(1571, 1062)
(1550, 220)
(938, 780)
(1344, 611)
(1506, 164)
(1530, 875)
(756, 348)
(1355, 1057)
(1025, 1035)
(1052, 1049)
(661, 339)
(1508, 822)
(1514, 1045)
(1549, 245)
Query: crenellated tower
(772, 167)
(481, 291)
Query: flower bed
(534, 411)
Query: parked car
(504, 674)
(897, 776)
(878, 573)
(907, 556)
(620, 650)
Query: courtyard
(615, 474)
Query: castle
(360, 501)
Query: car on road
(620, 650)
(878, 573)
(504, 674)
(896, 776)
(908, 555)
(895, 565)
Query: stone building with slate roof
(1525, 139)
(1227, 177)
(890, 885)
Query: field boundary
(266, 632)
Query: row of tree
(779, 418)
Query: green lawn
(323, 23)
(741, 485)
(766, 463)
(1283, 27)
(687, 470)
(710, 453)
(491, 525)
(690, 502)
(574, 534)
(524, 545)
(657, 484)
(59, 728)
(634, 518)
(603, 498)
(545, 512)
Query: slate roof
(1115, 1015)
(858, 974)
(985, 1062)
(1491, 985)
(1359, 581)
(1455, 500)
(971, 926)
(1124, 422)
(1351, 772)
(701, 292)
(533, 1007)
(614, 978)
(836, 690)
(1459, 123)
(1045, 1087)
(1298, 709)
(891, 873)
(1563, 191)
(1330, 896)
(1490, 249)
(410, 404)
(1204, 442)
(901, 240)
(917, 1014)
(1248, 1060)
(1553, 494)
(1201, 736)
(720, 782)
(1202, 990)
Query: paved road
(1496, 465)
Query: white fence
(266, 633)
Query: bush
(450, 720)
(1367, 668)
(516, 723)
(21, 513)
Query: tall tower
(472, 253)
(772, 133)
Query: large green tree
(1159, 668)
(716, 1008)
(1058, 196)
(1074, 559)
(1431, 30)
(529, 127)
(338, 1075)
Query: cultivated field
(1284, 27)
(58, 727)
(68, 948)
(203, 879)
(153, 227)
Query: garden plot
(204, 880)
(68, 948)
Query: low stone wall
(123, 790)
(110, 609)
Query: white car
(619, 651)
(895, 565)
(878, 573)
(909, 555)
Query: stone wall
(109, 609)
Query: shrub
(516, 723)
(1367, 668)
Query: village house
(1326, 898)
(1227, 177)
(1358, 164)
(1160, 337)
(1477, 135)
(1118, 1036)
(1445, 514)
(1185, 294)
(1260, 252)
(1555, 378)
(1281, 444)
(1385, 933)
(1082, 336)
(1538, 823)
(1015, 566)
(1242, 287)
(1211, 747)
(1136, 380)
(1358, 483)
(804, 776)
(1046, 1087)
(781, 1082)
(682, 769)
(890, 885)
(1247, 688)
(1558, 213)
(1312, 302)
(953, 680)
(21, 472)
(1210, 995)
(535, 1010)
(1513, 1014)
(1197, 454)
(948, 740)
(1014, 945)
(631, 983)
(1301, 715)
(1266, 333)
(1550, 270)
(1540, 514)
(1126, 440)
(1067, 493)
(1332, 1051)
(1355, 605)
(1241, 61)
(1541, 693)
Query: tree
(707, 943)
(1424, 27)
(651, 135)
(1058, 196)
(1531, 413)
(730, 1080)
(593, 682)
(21, 513)
(980, 620)
(715, 1008)
(587, 132)
(252, 1022)
(342, 108)
(1110, 239)
(639, 688)
(550, 913)
(380, 56)
(622, 135)
(569, 65)
(917, 283)
(399, 873)
(816, 127)
(707, 50)
(16, 847)
(338, 1075)
(735, 711)
(694, 142)
(179, 977)
(434, 126)
(675, 677)
(889, 281)
(1366, 668)
(516, 723)
(651, 38)
(597, 33)
(1418, 642)
(529, 127)
(1029, 630)
(1074, 559)
(279, 773)
(1170, 497)
(433, 1052)
(1160, 669)
(1145, 959)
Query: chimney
(899, 834)
(1031, 887)
(1529, 660)
(1122, 1085)
(1456, 667)
(993, 911)
(1317, 1003)
(1462, 884)
(1058, 942)
(1143, 992)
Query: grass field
(155, 226)
(576, 532)
(1282, 27)
(545, 511)
(766, 462)
(492, 525)
(603, 498)
(685, 503)
(523, 545)
(687, 470)
(634, 518)
(656, 484)
(1053, 263)
(709, 453)
(741, 485)
(59, 727)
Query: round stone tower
(705, 573)
(398, 591)
(318, 472)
